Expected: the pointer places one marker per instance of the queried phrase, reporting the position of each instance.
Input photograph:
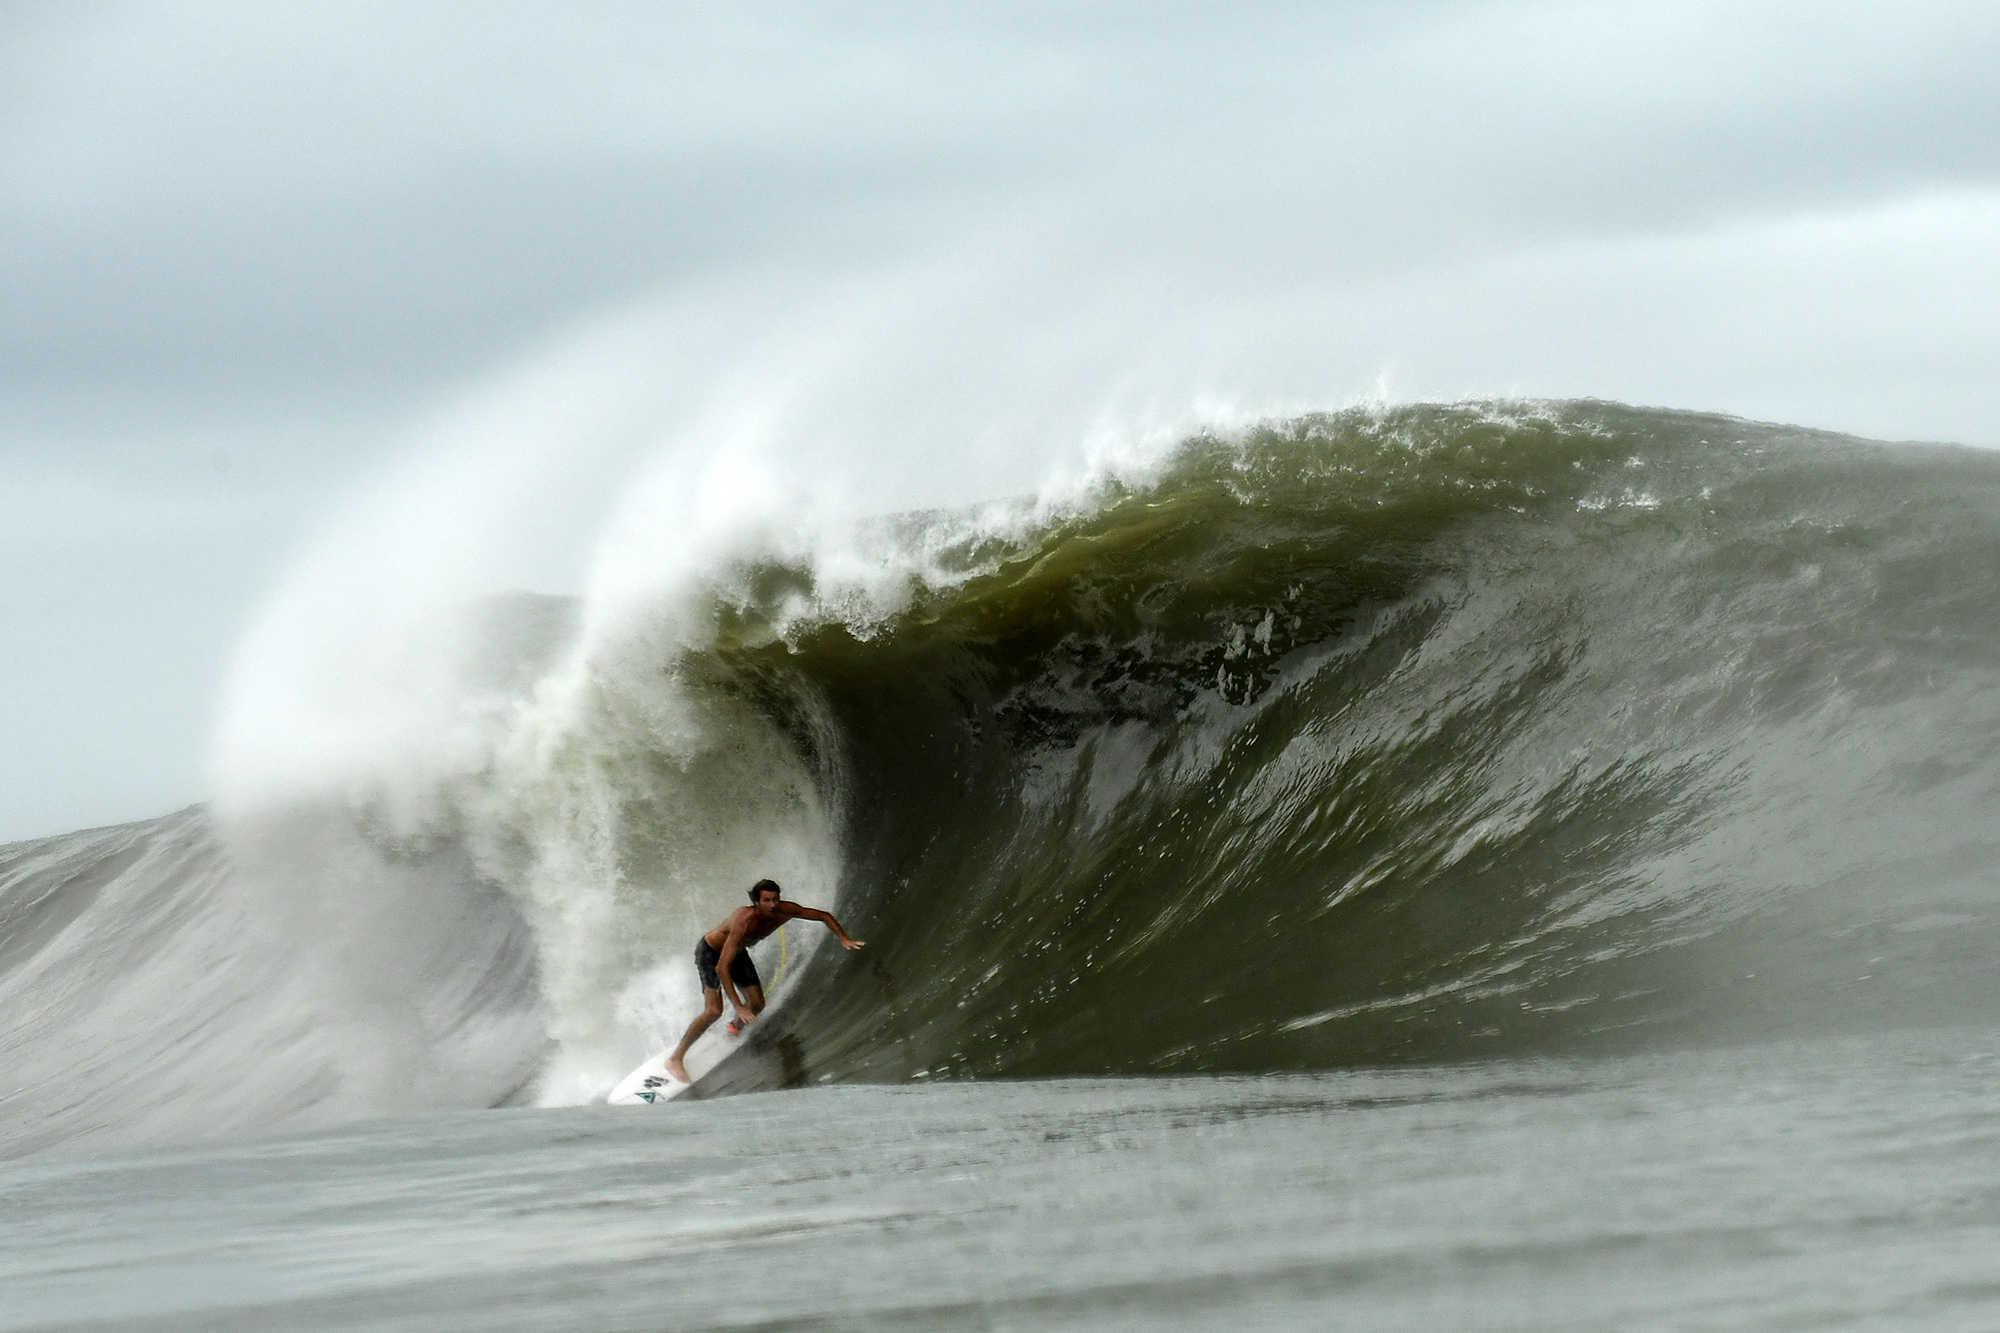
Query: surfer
(722, 958)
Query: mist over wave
(1386, 734)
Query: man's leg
(753, 1001)
(711, 1010)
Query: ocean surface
(1496, 865)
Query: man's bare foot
(677, 1069)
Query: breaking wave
(1391, 734)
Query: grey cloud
(217, 199)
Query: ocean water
(1498, 865)
(1831, 1184)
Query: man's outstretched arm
(826, 918)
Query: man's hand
(743, 1015)
(846, 943)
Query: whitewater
(1492, 865)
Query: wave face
(1420, 734)
(153, 993)
(1383, 735)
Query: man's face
(767, 902)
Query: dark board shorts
(741, 970)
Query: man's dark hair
(762, 885)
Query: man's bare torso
(755, 925)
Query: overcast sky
(244, 247)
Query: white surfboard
(649, 1083)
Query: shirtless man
(722, 957)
